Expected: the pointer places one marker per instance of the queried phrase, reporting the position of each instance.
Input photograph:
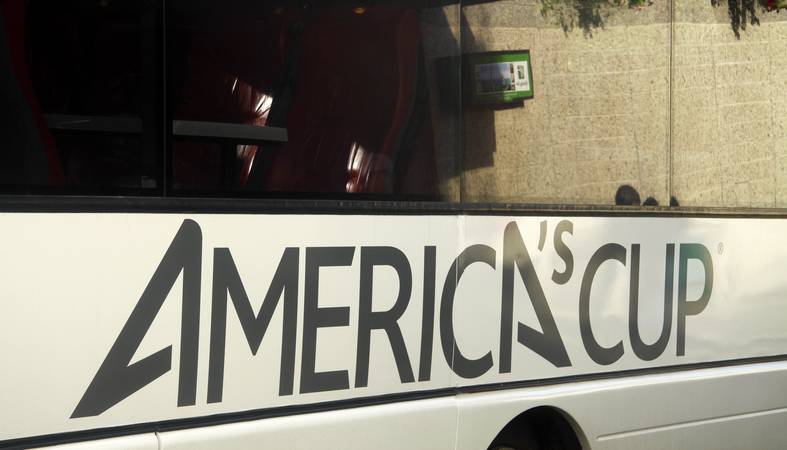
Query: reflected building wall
(730, 106)
(679, 107)
(600, 114)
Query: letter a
(116, 379)
(547, 344)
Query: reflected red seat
(230, 73)
(355, 94)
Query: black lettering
(542, 236)
(644, 351)
(369, 320)
(597, 353)
(226, 279)
(116, 379)
(462, 366)
(565, 226)
(548, 344)
(315, 317)
(427, 319)
(687, 252)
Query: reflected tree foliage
(590, 14)
(584, 14)
(743, 12)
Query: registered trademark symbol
(721, 248)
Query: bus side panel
(572, 296)
(111, 320)
(729, 408)
(135, 442)
(415, 425)
(67, 297)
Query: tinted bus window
(598, 120)
(586, 103)
(253, 97)
(730, 99)
(320, 99)
(87, 72)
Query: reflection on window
(346, 83)
(479, 101)
(247, 97)
(95, 84)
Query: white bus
(252, 224)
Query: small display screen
(499, 77)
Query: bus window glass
(85, 77)
(320, 99)
(481, 101)
(596, 127)
(730, 100)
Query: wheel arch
(543, 426)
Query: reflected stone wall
(617, 102)
(730, 107)
(600, 114)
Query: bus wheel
(540, 428)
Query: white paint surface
(70, 281)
